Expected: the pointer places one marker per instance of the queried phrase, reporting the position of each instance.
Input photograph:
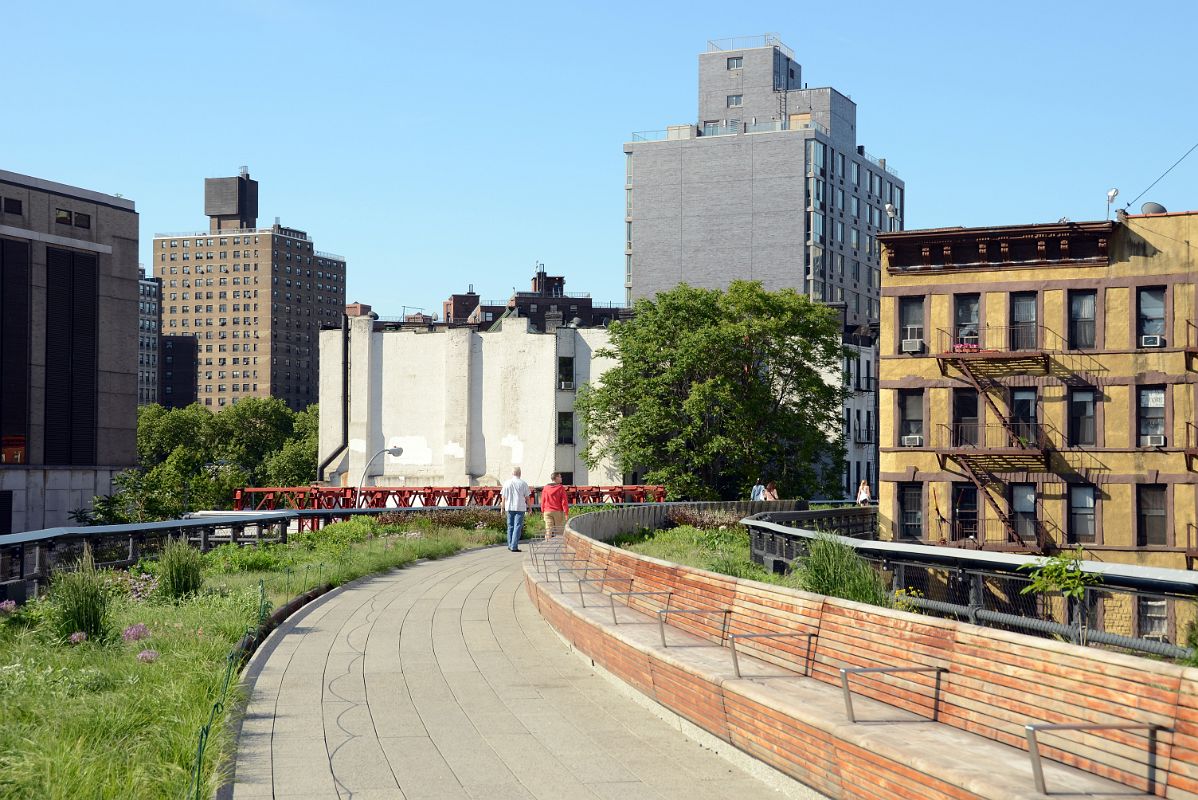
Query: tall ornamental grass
(81, 602)
(180, 569)
(833, 568)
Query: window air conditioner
(1154, 440)
(915, 440)
(567, 386)
(912, 345)
(1151, 341)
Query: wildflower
(78, 637)
(7, 607)
(135, 633)
(147, 656)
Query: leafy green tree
(294, 464)
(713, 389)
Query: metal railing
(848, 695)
(1033, 742)
(973, 338)
(1015, 435)
(749, 43)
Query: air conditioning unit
(912, 345)
(1154, 440)
(1152, 341)
(567, 386)
(915, 440)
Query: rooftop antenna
(1110, 198)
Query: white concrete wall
(465, 406)
(44, 497)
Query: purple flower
(78, 637)
(147, 656)
(135, 633)
(7, 607)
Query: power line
(1163, 174)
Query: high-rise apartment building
(253, 298)
(1038, 389)
(149, 327)
(68, 360)
(770, 184)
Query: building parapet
(323, 254)
(683, 132)
(1058, 244)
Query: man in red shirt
(554, 506)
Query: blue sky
(437, 145)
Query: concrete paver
(442, 681)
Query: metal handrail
(614, 595)
(806, 656)
(1009, 435)
(848, 696)
(661, 619)
(970, 338)
(1033, 744)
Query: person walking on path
(864, 496)
(554, 506)
(771, 491)
(757, 491)
(514, 497)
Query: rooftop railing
(683, 132)
(880, 163)
(749, 43)
(332, 256)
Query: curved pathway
(442, 681)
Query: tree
(294, 464)
(713, 389)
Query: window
(12, 206)
(565, 371)
(1152, 618)
(856, 170)
(736, 62)
(1082, 526)
(1023, 321)
(965, 315)
(83, 220)
(735, 100)
(62, 216)
(910, 318)
(1151, 416)
(910, 414)
(1150, 319)
(1151, 515)
(910, 497)
(565, 427)
(1081, 320)
(965, 511)
(1023, 510)
(1083, 429)
(965, 418)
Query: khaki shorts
(555, 523)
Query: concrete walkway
(442, 681)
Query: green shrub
(705, 519)
(250, 558)
(833, 568)
(180, 569)
(467, 518)
(80, 601)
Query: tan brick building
(1038, 388)
(254, 299)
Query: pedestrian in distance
(864, 496)
(514, 497)
(555, 507)
(771, 491)
(757, 491)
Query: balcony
(1019, 534)
(1015, 446)
(993, 350)
(864, 435)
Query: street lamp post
(394, 452)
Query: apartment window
(965, 317)
(965, 511)
(736, 62)
(12, 206)
(1151, 414)
(62, 216)
(910, 496)
(83, 220)
(910, 416)
(735, 100)
(1151, 515)
(1152, 618)
(1150, 317)
(565, 427)
(1023, 321)
(856, 170)
(1023, 510)
(1082, 528)
(1081, 320)
(910, 319)
(855, 207)
(565, 371)
(1083, 429)
(965, 418)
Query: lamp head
(1111, 195)
(891, 211)
(394, 452)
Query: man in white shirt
(514, 497)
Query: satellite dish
(1153, 208)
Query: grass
(829, 567)
(95, 720)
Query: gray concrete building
(149, 329)
(68, 348)
(769, 183)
